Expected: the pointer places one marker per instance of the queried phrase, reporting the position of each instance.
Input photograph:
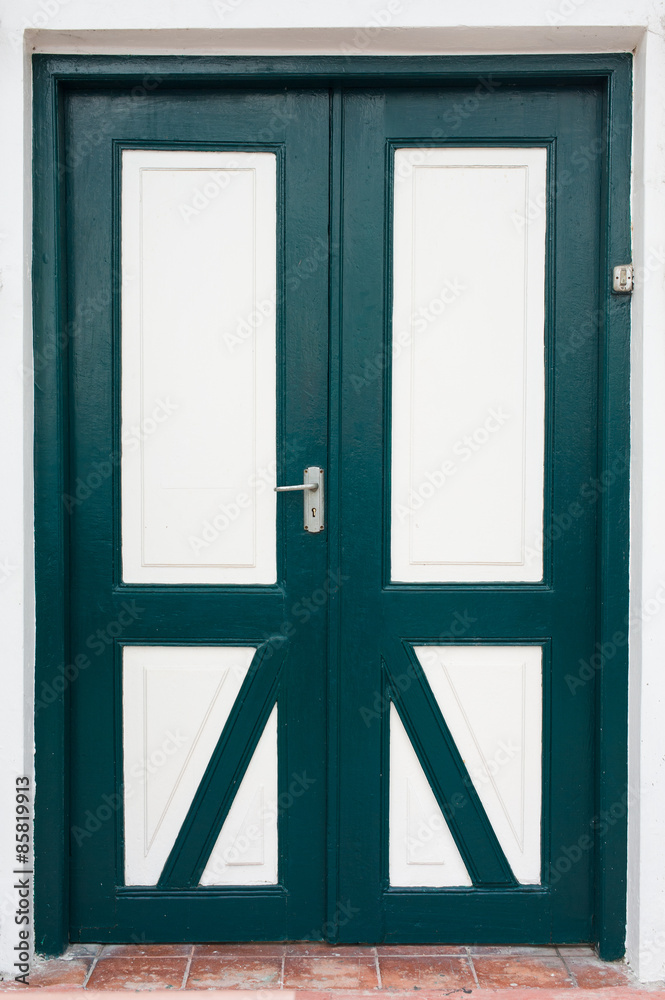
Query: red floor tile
(319, 971)
(318, 995)
(330, 973)
(592, 974)
(146, 973)
(420, 949)
(320, 949)
(57, 973)
(83, 951)
(214, 973)
(140, 950)
(577, 950)
(511, 993)
(248, 949)
(514, 970)
(504, 950)
(429, 973)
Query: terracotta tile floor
(324, 972)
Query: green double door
(380, 730)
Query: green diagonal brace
(226, 769)
(445, 770)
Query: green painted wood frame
(53, 76)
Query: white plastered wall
(350, 27)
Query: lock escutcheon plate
(313, 500)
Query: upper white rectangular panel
(468, 404)
(198, 367)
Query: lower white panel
(246, 849)
(422, 851)
(176, 700)
(491, 699)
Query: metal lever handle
(313, 506)
(301, 486)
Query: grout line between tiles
(473, 967)
(91, 969)
(188, 966)
(571, 974)
(283, 971)
(378, 967)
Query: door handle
(312, 490)
(300, 486)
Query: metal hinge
(623, 279)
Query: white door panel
(246, 849)
(198, 367)
(468, 372)
(491, 700)
(176, 701)
(422, 851)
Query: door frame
(56, 75)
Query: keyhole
(313, 511)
